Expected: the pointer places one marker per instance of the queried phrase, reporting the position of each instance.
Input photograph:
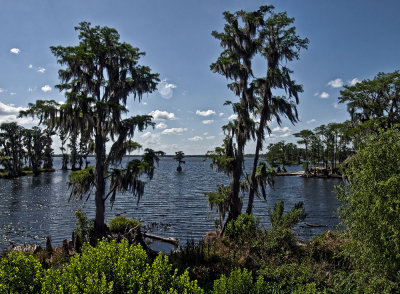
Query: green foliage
(83, 228)
(371, 206)
(288, 220)
(239, 282)
(282, 154)
(112, 267)
(293, 277)
(242, 228)
(220, 201)
(374, 98)
(121, 224)
(20, 273)
(81, 181)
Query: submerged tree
(33, 141)
(98, 76)
(241, 45)
(12, 142)
(272, 36)
(179, 156)
(279, 44)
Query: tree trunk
(253, 184)
(100, 227)
(235, 205)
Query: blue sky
(349, 41)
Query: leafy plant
(20, 273)
(83, 229)
(242, 228)
(239, 282)
(371, 207)
(113, 267)
(287, 220)
(121, 224)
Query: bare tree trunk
(235, 205)
(100, 227)
(253, 184)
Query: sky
(349, 41)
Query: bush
(112, 267)
(242, 228)
(20, 273)
(288, 220)
(122, 224)
(239, 282)
(371, 207)
(83, 229)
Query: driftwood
(170, 240)
(315, 225)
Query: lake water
(32, 208)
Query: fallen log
(170, 240)
(315, 225)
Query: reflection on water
(32, 208)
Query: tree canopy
(98, 76)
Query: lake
(32, 208)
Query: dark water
(32, 208)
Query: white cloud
(337, 105)
(233, 116)
(1, 90)
(15, 50)
(281, 130)
(13, 93)
(144, 103)
(208, 121)
(205, 133)
(316, 94)
(174, 131)
(165, 89)
(284, 135)
(221, 114)
(30, 66)
(210, 137)
(205, 112)
(41, 69)
(324, 95)
(46, 88)
(313, 120)
(162, 115)
(336, 83)
(161, 125)
(195, 139)
(9, 109)
(9, 113)
(151, 138)
(354, 81)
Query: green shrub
(122, 224)
(295, 277)
(370, 209)
(27, 169)
(240, 282)
(242, 228)
(287, 220)
(20, 273)
(83, 229)
(112, 267)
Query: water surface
(32, 208)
